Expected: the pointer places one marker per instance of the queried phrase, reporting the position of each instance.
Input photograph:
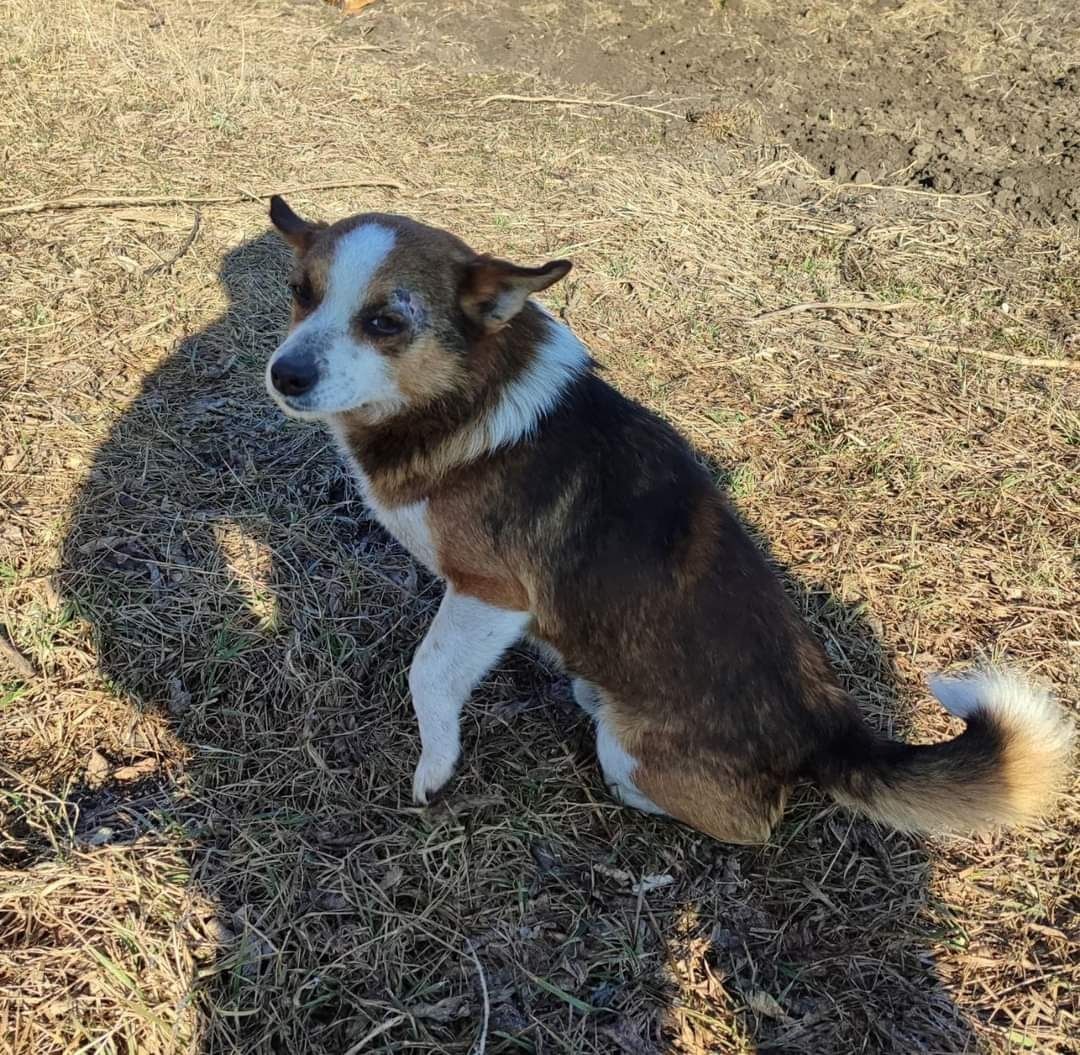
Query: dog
(559, 511)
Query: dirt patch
(936, 95)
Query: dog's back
(640, 576)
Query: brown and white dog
(558, 510)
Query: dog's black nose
(293, 375)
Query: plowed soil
(971, 97)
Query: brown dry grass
(208, 843)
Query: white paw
(434, 769)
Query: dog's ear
(297, 231)
(494, 291)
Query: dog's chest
(409, 524)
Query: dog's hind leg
(586, 696)
(724, 802)
(463, 643)
(618, 767)
(649, 771)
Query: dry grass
(208, 844)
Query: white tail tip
(1017, 704)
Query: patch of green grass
(1019, 341)
(899, 291)
(338, 647)
(229, 642)
(619, 266)
(43, 628)
(742, 481)
(226, 125)
(1068, 289)
(11, 692)
(725, 416)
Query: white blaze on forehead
(352, 372)
(358, 255)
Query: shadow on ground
(234, 581)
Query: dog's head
(388, 313)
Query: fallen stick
(378, 1031)
(830, 305)
(901, 190)
(1045, 362)
(23, 667)
(166, 265)
(481, 1040)
(1026, 360)
(56, 204)
(569, 101)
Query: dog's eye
(383, 325)
(301, 291)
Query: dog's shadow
(235, 583)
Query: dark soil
(958, 96)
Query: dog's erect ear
(297, 231)
(494, 291)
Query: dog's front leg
(464, 643)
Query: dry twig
(481, 1040)
(56, 204)
(378, 1031)
(166, 265)
(1044, 362)
(830, 305)
(573, 101)
(23, 667)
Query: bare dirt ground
(977, 97)
(207, 843)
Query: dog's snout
(293, 375)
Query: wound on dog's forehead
(407, 304)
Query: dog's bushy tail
(1003, 769)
